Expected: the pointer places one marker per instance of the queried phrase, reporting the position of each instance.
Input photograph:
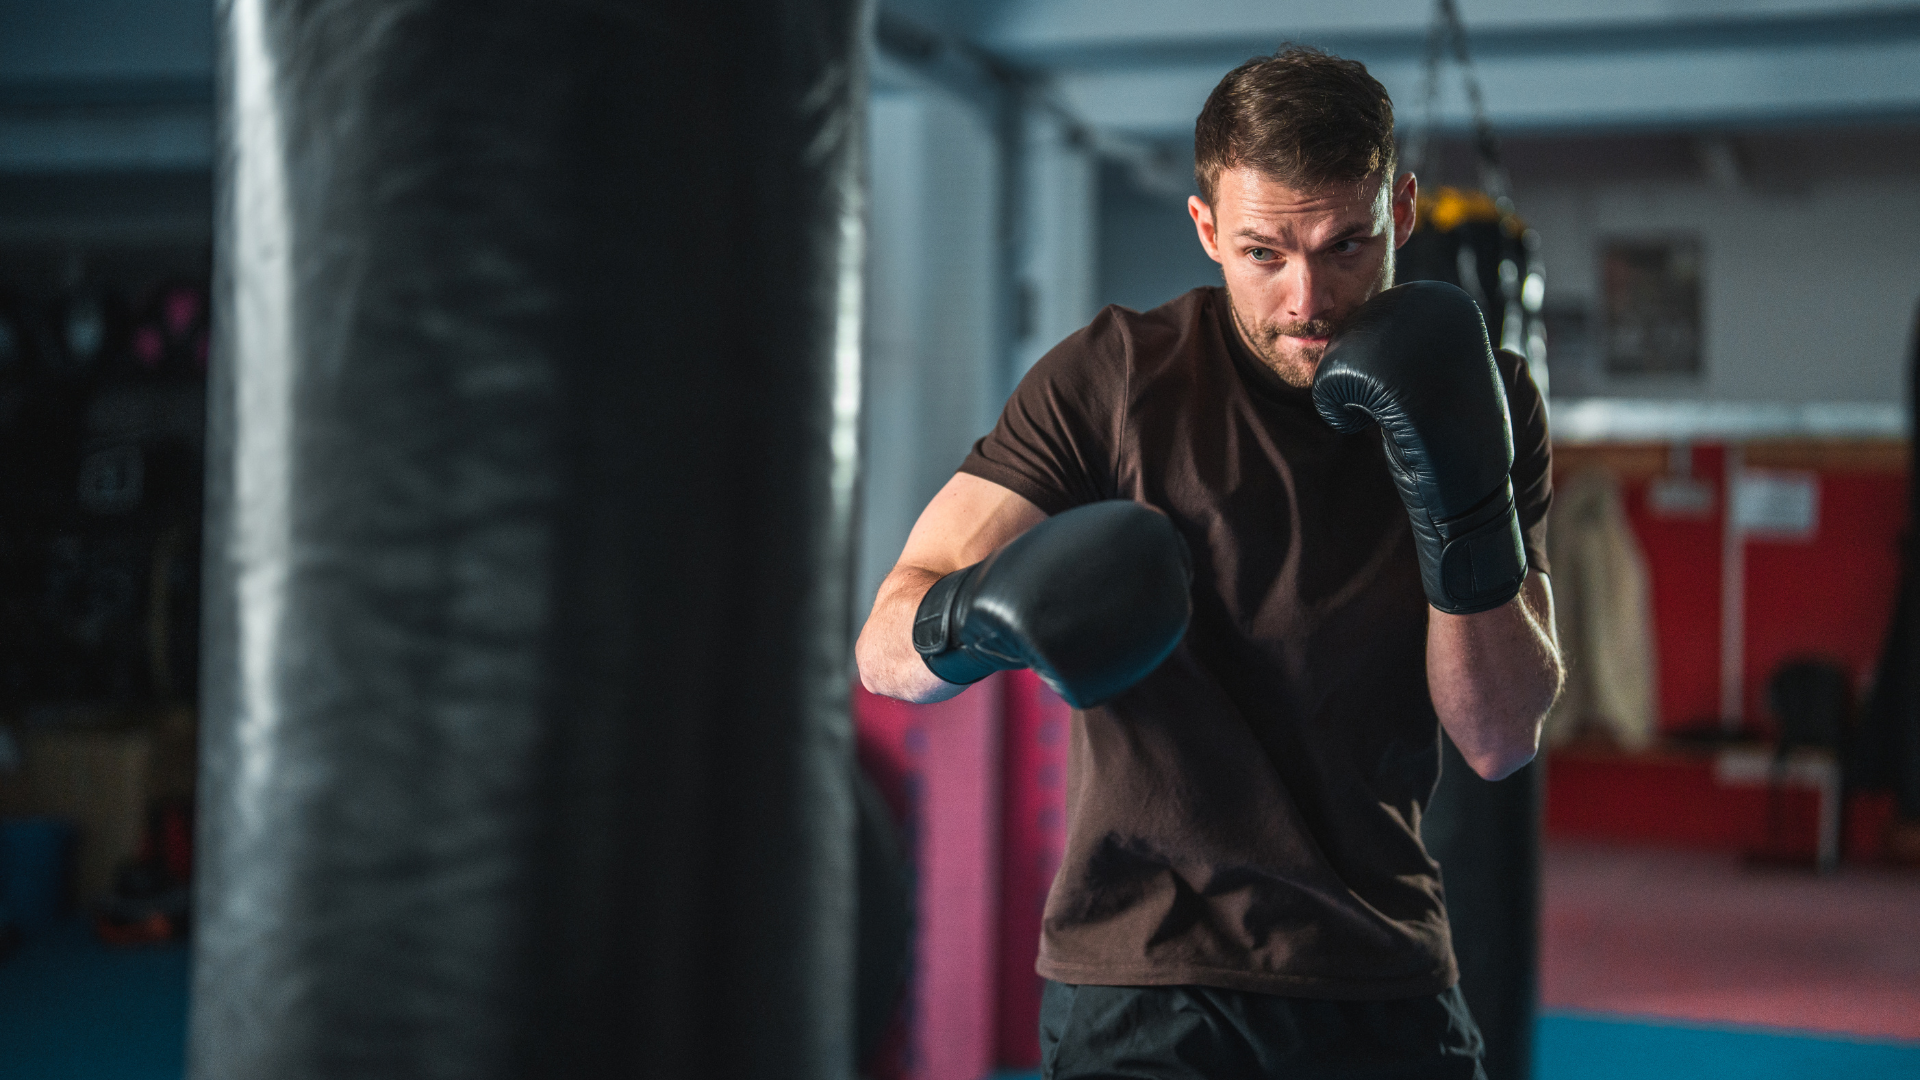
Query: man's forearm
(1494, 675)
(968, 520)
(888, 663)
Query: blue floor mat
(1592, 1047)
(74, 1009)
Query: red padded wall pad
(939, 768)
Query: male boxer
(1244, 892)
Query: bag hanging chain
(1446, 33)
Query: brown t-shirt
(1248, 816)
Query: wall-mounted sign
(1680, 497)
(1776, 504)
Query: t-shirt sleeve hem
(1049, 501)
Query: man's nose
(1310, 297)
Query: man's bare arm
(1494, 675)
(967, 521)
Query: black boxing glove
(1415, 360)
(1092, 600)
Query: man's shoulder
(1179, 317)
(1142, 340)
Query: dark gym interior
(447, 451)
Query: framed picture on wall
(1651, 293)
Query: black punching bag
(531, 452)
(1486, 836)
(1885, 751)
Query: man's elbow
(1500, 762)
(1503, 757)
(870, 661)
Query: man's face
(1297, 263)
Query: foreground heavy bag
(525, 737)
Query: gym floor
(1656, 965)
(1664, 964)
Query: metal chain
(1448, 34)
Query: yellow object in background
(1448, 208)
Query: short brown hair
(1302, 117)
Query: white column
(934, 374)
(1733, 596)
(1055, 237)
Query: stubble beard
(1296, 364)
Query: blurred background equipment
(1811, 702)
(1485, 835)
(1472, 237)
(1887, 753)
(885, 920)
(100, 462)
(1603, 612)
(35, 854)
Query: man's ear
(1202, 215)
(1405, 201)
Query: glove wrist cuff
(933, 632)
(1479, 562)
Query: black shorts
(1194, 1032)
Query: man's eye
(1346, 247)
(1260, 254)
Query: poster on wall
(1652, 297)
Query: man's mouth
(1314, 334)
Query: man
(1244, 891)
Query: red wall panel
(980, 783)
(1828, 595)
(939, 765)
(1831, 596)
(1672, 801)
(1033, 837)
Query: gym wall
(1149, 253)
(1807, 294)
(1827, 593)
(1808, 284)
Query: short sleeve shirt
(1248, 816)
